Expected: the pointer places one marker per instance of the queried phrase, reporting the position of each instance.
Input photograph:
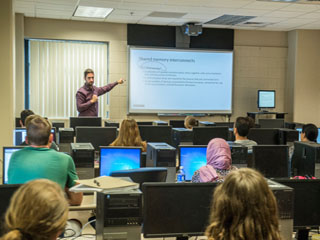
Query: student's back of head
(129, 135)
(309, 132)
(23, 116)
(38, 130)
(243, 207)
(38, 210)
(243, 125)
(190, 122)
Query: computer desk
(88, 203)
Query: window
(55, 73)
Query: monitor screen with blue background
(192, 158)
(118, 158)
(7, 152)
(300, 130)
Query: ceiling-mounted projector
(192, 29)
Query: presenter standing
(87, 95)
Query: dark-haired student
(39, 161)
(309, 133)
(241, 131)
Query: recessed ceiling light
(92, 12)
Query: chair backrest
(141, 175)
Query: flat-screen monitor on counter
(203, 135)
(176, 209)
(97, 136)
(266, 99)
(7, 152)
(271, 160)
(21, 133)
(304, 158)
(192, 158)
(119, 158)
(306, 202)
(6, 192)
(85, 121)
(265, 136)
(156, 133)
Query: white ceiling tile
(301, 7)
(314, 15)
(283, 14)
(129, 12)
(249, 12)
(268, 19)
(52, 16)
(53, 12)
(257, 5)
(124, 17)
(310, 26)
(56, 7)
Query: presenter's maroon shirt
(84, 106)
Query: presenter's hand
(94, 98)
(120, 81)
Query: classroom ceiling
(261, 15)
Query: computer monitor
(271, 123)
(85, 121)
(97, 136)
(265, 136)
(304, 158)
(156, 133)
(176, 209)
(6, 192)
(21, 133)
(266, 99)
(224, 124)
(7, 152)
(140, 123)
(176, 123)
(271, 161)
(203, 135)
(119, 158)
(306, 202)
(192, 158)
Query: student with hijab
(218, 163)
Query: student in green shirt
(39, 161)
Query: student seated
(38, 210)
(241, 131)
(190, 122)
(129, 135)
(218, 163)
(309, 133)
(243, 207)
(23, 117)
(39, 161)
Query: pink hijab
(218, 157)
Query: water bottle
(180, 175)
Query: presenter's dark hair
(24, 114)
(38, 210)
(243, 207)
(38, 130)
(87, 71)
(243, 125)
(311, 132)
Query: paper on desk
(108, 183)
